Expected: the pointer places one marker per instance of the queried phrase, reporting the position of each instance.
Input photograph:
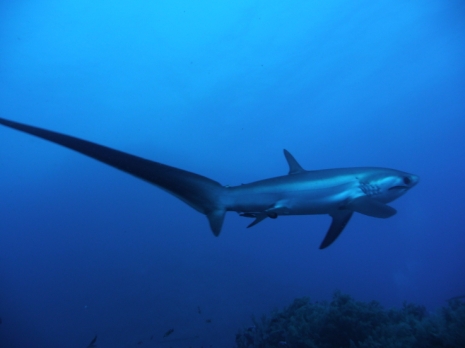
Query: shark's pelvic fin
(294, 166)
(340, 220)
(258, 218)
(368, 206)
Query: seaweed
(344, 322)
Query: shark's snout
(405, 182)
(414, 179)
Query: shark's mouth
(399, 187)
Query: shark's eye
(407, 180)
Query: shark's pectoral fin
(216, 218)
(340, 220)
(368, 206)
(363, 205)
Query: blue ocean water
(219, 89)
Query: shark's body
(337, 192)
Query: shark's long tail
(202, 194)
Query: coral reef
(344, 322)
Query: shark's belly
(292, 201)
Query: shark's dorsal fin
(294, 166)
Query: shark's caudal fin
(201, 193)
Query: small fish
(92, 343)
(167, 333)
(208, 321)
(198, 310)
(451, 299)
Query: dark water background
(220, 88)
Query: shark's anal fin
(340, 220)
(368, 206)
(294, 166)
(216, 218)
